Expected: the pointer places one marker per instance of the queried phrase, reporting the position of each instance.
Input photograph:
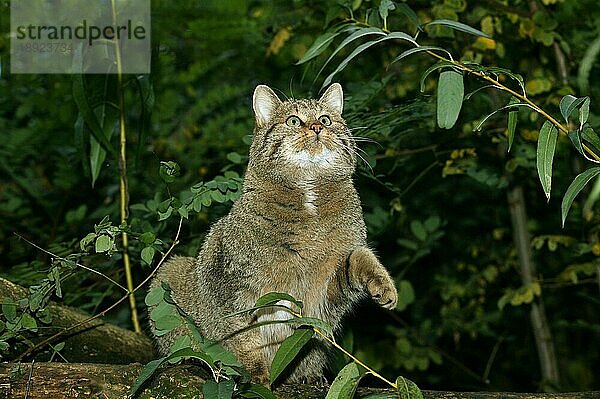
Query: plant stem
(520, 96)
(123, 187)
(345, 352)
(108, 309)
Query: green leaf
(586, 64)
(169, 171)
(450, 95)
(155, 296)
(584, 112)
(257, 391)
(408, 389)
(147, 371)
(406, 295)
(167, 322)
(318, 46)
(234, 157)
(81, 99)
(97, 157)
(418, 230)
(365, 46)
(580, 181)
(385, 6)
(576, 140)
(272, 298)
(434, 67)
(512, 127)
(565, 106)
(312, 322)
(147, 255)
(9, 309)
(29, 322)
(590, 135)
(221, 390)
(409, 12)
(104, 243)
(147, 98)
(418, 50)
(545, 155)
(288, 350)
(148, 238)
(510, 105)
(81, 139)
(345, 383)
(363, 32)
(458, 26)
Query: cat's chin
(323, 158)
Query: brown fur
(296, 228)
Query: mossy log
(72, 380)
(96, 341)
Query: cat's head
(299, 139)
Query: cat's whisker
(356, 153)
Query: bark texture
(96, 341)
(72, 380)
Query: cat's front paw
(383, 291)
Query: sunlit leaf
(545, 155)
(580, 181)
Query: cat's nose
(316, 127)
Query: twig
(29, 379)
(68, 260)
(111, 307)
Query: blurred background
(436, 202)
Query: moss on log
(96, 341)
(71, 380)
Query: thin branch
(111, 307)
(73, 262)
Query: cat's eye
(324, 120)
(293, 121)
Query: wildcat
(296, 228)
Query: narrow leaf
(586, 64)
(450, 95)
(345, 383)
(80, 140)
(312, 322)
(458, 26)
(318, 46)
(584, 112)
(272, 298)
(97, 157)
(576, 140)
(363, 32)
(545, 155)
(288, 350)
(365, 46)
(146, 93)
(412, 16)
(580, 181)
(81, 99)
(590, 135)
(512, 126)
(418, 50)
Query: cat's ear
(334, 97)
(264, 102)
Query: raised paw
(383, 291)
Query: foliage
(434, 196)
